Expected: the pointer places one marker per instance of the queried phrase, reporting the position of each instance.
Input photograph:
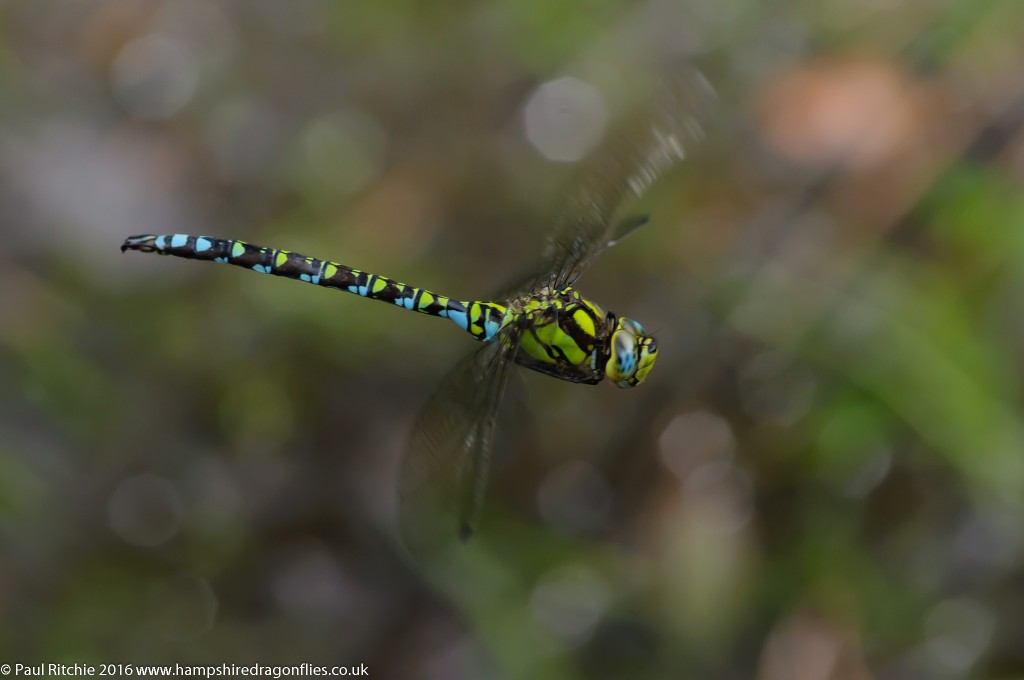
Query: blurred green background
(823, 477)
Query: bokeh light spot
(570, 602)
(565, 119)
(154, 77)
(959, 630)
(694, 438)
(145, 510)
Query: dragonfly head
(631, 354)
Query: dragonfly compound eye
(632, 354)
(648, 353)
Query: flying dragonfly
(543, 323)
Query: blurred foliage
(823, 477)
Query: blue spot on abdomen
(459, 318)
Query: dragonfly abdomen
(482, 320)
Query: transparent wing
(623, 170)
(444, 473)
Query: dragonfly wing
(444, 473)
(623, 170)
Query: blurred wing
(624, 169)
(544, 272)
(444, 473)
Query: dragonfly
(542, 323)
